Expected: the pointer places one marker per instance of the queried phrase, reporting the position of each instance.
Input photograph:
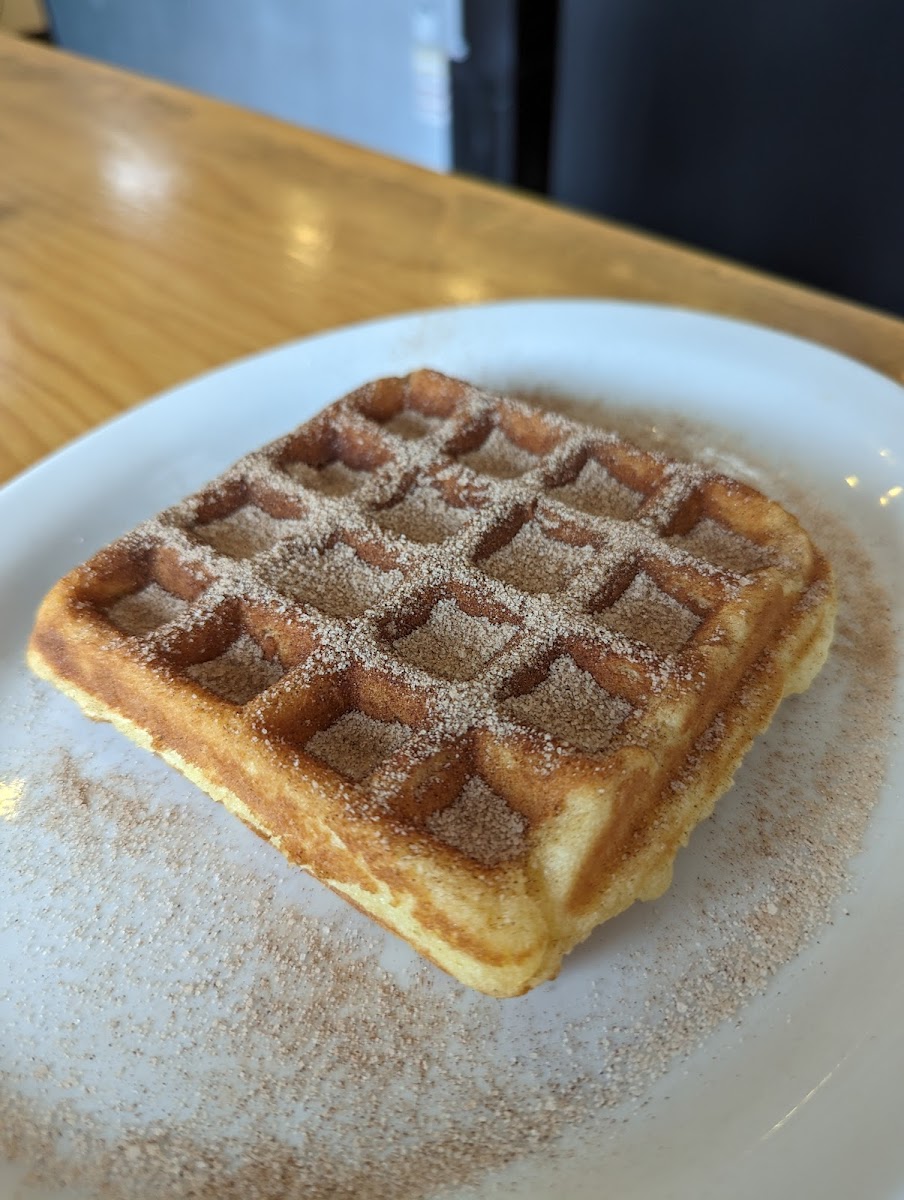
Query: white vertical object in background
(430, 67)
(437, 41)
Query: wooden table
(147, 234)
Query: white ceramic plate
(800, 1093)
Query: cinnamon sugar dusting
(423, 516)
(597, 492)
(480, 824)
(412, 425)
(535, 562)
(332, 479)
(142, 611)
(356, 744)
(246, 532)
(452, 643)
(499, 456)
(570, 705)
(239, 674)
(648, 614)
(336, 580)
(717, 545)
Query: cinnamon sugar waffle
(477, 667)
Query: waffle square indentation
(423, 515)
(536, 562)
(411, 425)
(354, 744)
(145, 610)
(246, 532)
(499, 456)
(335, 458)
(336, 579)
(334, 478)
(647, 614)
(452, 643)
(480, 824)
(570, 706)
(596, 491)
(718, 546)
(239, 674)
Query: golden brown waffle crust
(601, 829)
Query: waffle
(479, 668)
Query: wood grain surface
(147, 234)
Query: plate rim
(637, 308)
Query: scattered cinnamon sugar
(423, 516)
(333, 479)
(246, 532)
(499, 456)
(535, 562)
(452, 643)
(480, 824)
(570, 705)
(597, 492)
(648, 614)
(356, 744)
(142, 611)
(239, 674)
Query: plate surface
(796, 1093)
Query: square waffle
(479, 668)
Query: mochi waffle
(479, 668)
